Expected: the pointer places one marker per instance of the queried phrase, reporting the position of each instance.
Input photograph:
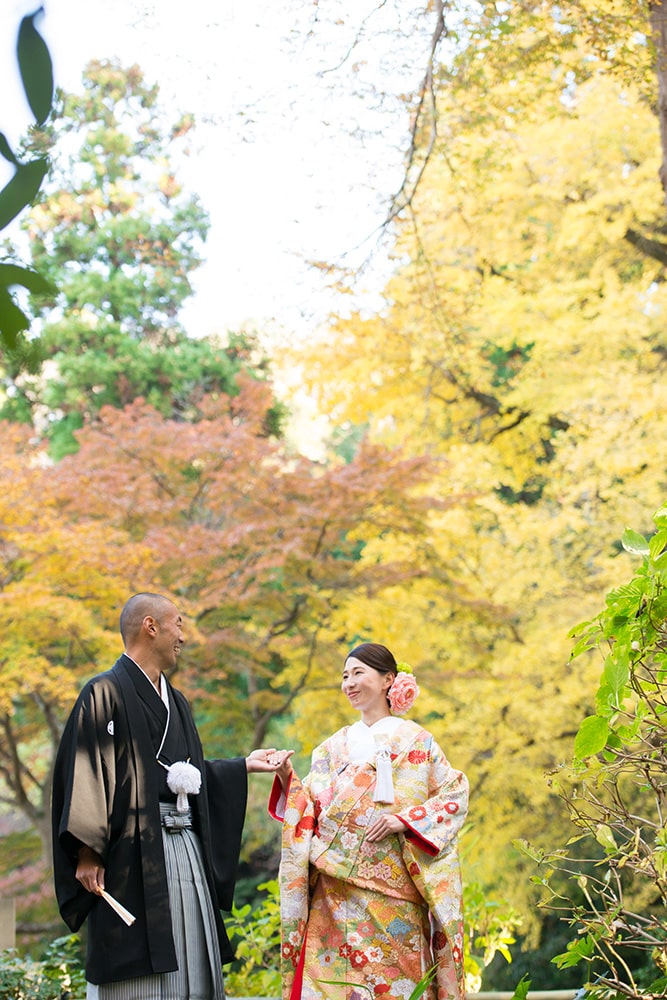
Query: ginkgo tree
(522, 341)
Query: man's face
(169, 637)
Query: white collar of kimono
(367, 742)
(183, 778)
(362, 740)
(163, 684)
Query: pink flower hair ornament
(403, 691)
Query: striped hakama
(199, 974)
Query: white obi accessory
(183, 779)
(368, 742)
(384, 782)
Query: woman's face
(364, 687)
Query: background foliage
(494, 426)
(34, 63)
(615, 889)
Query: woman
(370, 879)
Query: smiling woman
(366, 689)
(370, 880)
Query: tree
(491, 48)
(259, 548)
(521, 341)
(59, 585)
(119, 238)
(615, 791)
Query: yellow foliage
(522, 340)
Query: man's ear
(149, 624)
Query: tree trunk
(43, 827)
(658, 21)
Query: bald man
(139, 814)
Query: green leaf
(634, 543)
(592, 736)
(617, 671)
(604, 699)
(660, 562)
(12, 320)
(36, 68)
(22, 189)
(586, 642)
(576, 629)
(660, 516)
(534, 853)
(13, 274)
(5, 149)
(581, 948)
(657, 543)
(522, 987)
(605, 837)
(424, 983)
(341, 982)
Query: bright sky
(276, 165)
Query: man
(139, 814)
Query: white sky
(276, 166)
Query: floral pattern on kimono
(324, 820)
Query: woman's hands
(284, 771)
(268, 761)
(384, 825)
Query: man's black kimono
(105, 795)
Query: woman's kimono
(374, 915)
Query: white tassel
(384, 782)
(183, 777)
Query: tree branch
(647, 246)
(427, 95)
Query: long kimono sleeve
(227, 795)
(434, 824)
(297, 811)
(430, 853)
(82, 799)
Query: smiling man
(139, 814)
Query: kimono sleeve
(296, 810)
(433, 825)
(82, 797)
(227, 795)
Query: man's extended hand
(90, 870)
(268, 761)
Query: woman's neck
(368, 718)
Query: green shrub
(57, 975)
(256, 937)
(615, 789)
